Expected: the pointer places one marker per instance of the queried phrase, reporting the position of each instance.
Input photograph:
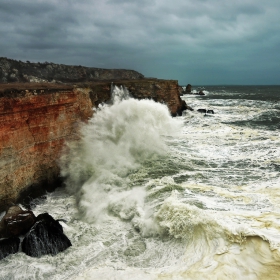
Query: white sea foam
(152, 204)
(212, 246)
(114, 143)
(221, 225)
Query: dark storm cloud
(201, 41)
(33, 25)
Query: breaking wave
(156, 197)
(114, 143)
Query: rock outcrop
(17, 71)
(9, 246)
(46, 237)
(188, 88)
(204, 111)
(16, 222)
(34, 124)
(40, 235)
(163, 91)
(37, 118)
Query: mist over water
(116, 142)
(149, 196)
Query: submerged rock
(205, 111)
(202, 110)
(201, 92)
(45, 237)
(9, 246)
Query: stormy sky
(201, 42)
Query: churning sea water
(149, 196)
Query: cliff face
(17, 71)
(37, 119)
(33, 129)
(164, 91)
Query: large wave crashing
(116, 141)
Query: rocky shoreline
(37, 118)
(21, 230)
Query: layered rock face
(33, 129)
(37, 119)
(17, 71)
(164, 91)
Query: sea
(150, 196)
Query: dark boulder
(188, 88)
(201, 93)
(205, 111)
(16, 222)
(45, 237)
(202, 110)
(8, 246)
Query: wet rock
(39, 118)
(183, 107)
(202, 110)
(188, 88)
(16, 222)
(45, 237)
(9, 246)
(201, 93)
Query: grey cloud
(25, 7)
(187, 40)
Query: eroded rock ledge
(37, 118)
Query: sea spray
(203, 227)
(206, 207)
(114, 143)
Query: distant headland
(14, 71)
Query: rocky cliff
(164, 91)
(37, 118)
(17, 71)
(33, 127)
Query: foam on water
(115, 142)
(149, 198)
(227, 226)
